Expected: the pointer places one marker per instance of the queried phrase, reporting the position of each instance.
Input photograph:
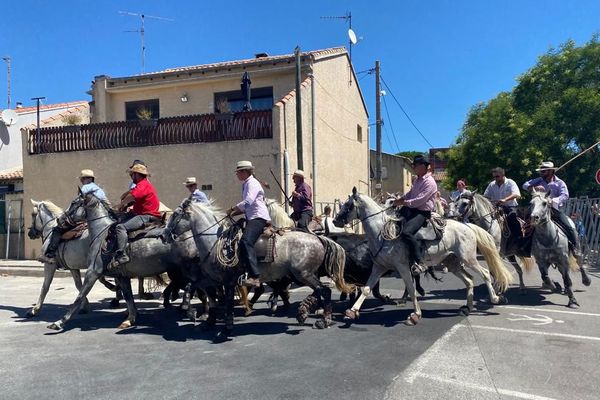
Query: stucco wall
(398, 173)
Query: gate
(585, 208)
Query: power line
(406, 114)
(390, 121)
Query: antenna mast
(142, 31)
(352, 39)
(8, 60)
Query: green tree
(552, 114)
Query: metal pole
(378, 187)
(298, 112)
(37, 132)
(8, 229)
(7, 59)
(314, 137)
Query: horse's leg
(49, 270)
(125, 285)
(227, 330)
(376, 273)
(142, 294)
(325, 321)
(467, 279)
(513, 260)
(205, 303)
(585, 279)
(407, 276)
(76, 274)
(247, 304)
(107, 284)
(91, 276)
(564, 270)
(473, 264)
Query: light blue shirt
(95, 189)
(253, 200)
(557, 187)
(199, 196)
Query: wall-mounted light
(184, 98)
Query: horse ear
(34, 203)
(354, 191)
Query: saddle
(74, 232)
(151, 230)
(433, 229)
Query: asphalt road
(533, 348)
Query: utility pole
(378, 130)
(7, 59)
(298, 111)
(314, 137)
(37, 132)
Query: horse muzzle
(33, 234)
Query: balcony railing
(163, 131)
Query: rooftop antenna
(7, 59)
(142, 30)
(352, 38)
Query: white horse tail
(573, 264)
(335, 262)
(487, 247)
(527, 262)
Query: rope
(227, 247)
(390, 230)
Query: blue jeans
(132, 223)
(254, 228)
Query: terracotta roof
(292, 93)
(261, 60)
(76, 109)
(440, 176)
(11, 174)
(45, 107)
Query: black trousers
(561, 219)
(513, 223)
(302, 219)
(254, 228)
(54, 238)
(415, 219)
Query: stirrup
(417, 269)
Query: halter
(41, 230)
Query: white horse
(551, 246)
(459, 244)
(281, 219)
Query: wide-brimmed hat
(86, 173)
(420, 160)
(546, 166)
(139, 168)
(190, 180)
(299, 173)
(242, 165)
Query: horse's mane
(210, 207)
(279, 218)
(484, 203)
(53, 208)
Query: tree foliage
(552, 114)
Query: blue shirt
(93, 188)
(557, 187)
(199, 196)
(253, 200)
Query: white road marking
(505, 392)
(565, 335)
(539, 319)
(551, 310)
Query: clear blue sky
(438, 57)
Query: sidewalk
(26, 268)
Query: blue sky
(439, 58)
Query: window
(206, 187)
(359, 133)
(143, 109)
(260, 99)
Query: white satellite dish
(352, 36)
(9, 117)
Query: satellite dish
(352, 36)
(8, 116)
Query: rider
(86, 177)
(145, 209)
(301, 201)
(559, 194)
(254, 208)
(461, 188)
(503, 192)
(418, 203)
(196, 194)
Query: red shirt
(146, 200)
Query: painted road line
(528, 332)
(504, 392)
(542, 309)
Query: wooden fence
(163, 131)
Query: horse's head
(44, 212)
(464, 205)
(75, 213)
(348, 211)
(540, 207)
(178, 223)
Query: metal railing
(162, 131)
(12, 240)
(590, 242)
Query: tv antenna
(142, 30)
(7, 59)
(352, 38)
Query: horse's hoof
(573, 303)
(421, 292)
(464, 311)
(31, 313)
(586, 281)
(502, 299)
(114, 303)
(55, 326)
(248, 312)
(203, 317)
(301, 318)
(412, 319)
(351, 314)
(321, 324)
(125, 324)
(222, 336)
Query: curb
(27, 268)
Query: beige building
(396, 173)
(188, 122)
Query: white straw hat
(190, 180)
(241, 165)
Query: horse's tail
(573, 264)
(527, 262)
(157, 281)
(487, 247)
(335, 262)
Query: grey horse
(71, 254)
(551, 246)
(297, 254)
(148, 258)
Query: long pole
(378, 174)
(298, 112)
(37, 132)
(7, 59)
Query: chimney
(261, 55)
(19, 105)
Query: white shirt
(494, 192)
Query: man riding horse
(418, 204)
(301, 202)
(86, 177)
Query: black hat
(420, 160)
